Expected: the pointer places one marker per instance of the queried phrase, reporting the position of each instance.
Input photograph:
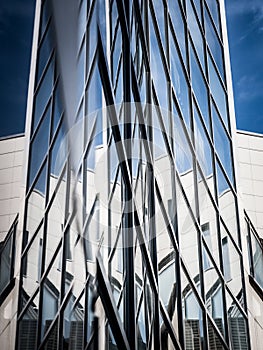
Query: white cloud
(249, 87)
(239, 7)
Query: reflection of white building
(128, 242)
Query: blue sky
(16, 27)
(245, 30)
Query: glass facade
(131, 236)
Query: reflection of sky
(16, 26)
(245, 31)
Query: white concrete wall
(11, 161)
(250, 172)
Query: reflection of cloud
(254, 8)
(240, 7)
(249, 87)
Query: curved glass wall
(131, 235)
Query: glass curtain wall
(131, 236)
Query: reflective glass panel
(192, 317)
(43, 93)
(195, 32)
(31, 264)
(218, 92)
(178, 24)
(214, 44)
(222, 144)
(227, 203)
(199, 88)
(39, 146)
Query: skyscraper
(130, 231)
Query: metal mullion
(144, 290)
(192, 45)
(37, 127)
(230, 235)
(109, 97)
(41, 282)
(192, 285)
(139, 306)
(219, 36)
(129, 286)
(49, 331)
(199, 236)
(111, 311)
(169, 326)
(250, 248)
(222, 80)
(231, 186)
(46, 272)
(240, 308)
(115, 83)
(173, 236)
(115, 181)
(113, 250)
(162, 124)
(24, 309)
(29, 244)
(174, 38)
(218, 333)
(159, 41)
(115, 34)
(254, 232)
(199, 23)
(46, 28)
(41, 78)
(200, 171)
(218, 225)
(152, 208)
(62, 290)
(144, 41)
(215, 266)
(242, 258)
(36, 177)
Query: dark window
(7, 255)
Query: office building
(131, 231)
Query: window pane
(178, 24)
(214, 45)
(39, 146)
(214, 10)
(56, 217)
(192, 317)
(36, 203)
(158, 73)
(44, 52)
(202, 145)
(51, 294)
(257, 260)
(179, 82)
(227, 203)
(27, 335)
(31, 264)
(218, 92)
(213, 294)
(5, 264)
(222, 144)
(199, 88)
(237, 325)
(43, 94)
(195, 33)
(231, 263)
